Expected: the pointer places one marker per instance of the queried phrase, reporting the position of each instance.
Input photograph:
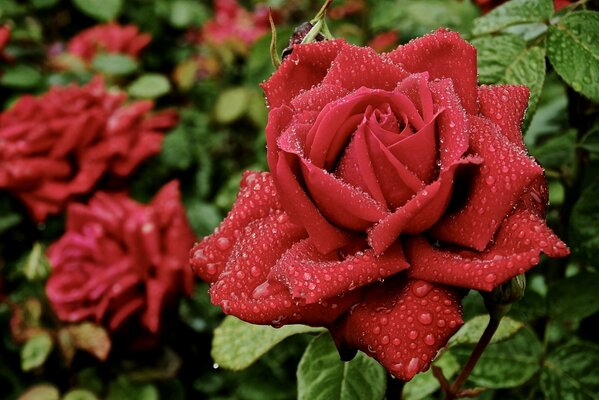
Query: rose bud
(58, 146)
(395, 183)
(121, 261)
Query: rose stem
(484, 340)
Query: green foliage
(237, 344)
(102, 10)
(20, 76)
(425, 384)
(35, 351)
(149, 86)
(473, 329)
(584, 224)
(321, 375)
(574, 298)
(573, 49)
(114, 64)
(512, 13)
(571, 372)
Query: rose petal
(443, 54)
(313, 277)
(356, 67)
(244, 291)
(317, 98)
(304, 68)
(496, 188)
(256, 199)
(518, 244)
(416, 88)
(402, 323)
(505, 105)
(419, 213)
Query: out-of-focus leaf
(505, 364)
(236, 344)
(43, 391)
(512, 13)
(425, 384)
(417, 17)
(529, 308)
(102, 10)
(590, 141)
(584, 225)
(231, 104)
(36, 265)
(203, 217)
(473, 329)
(321, 375)
(186, 13)
(20, 76)
(122, 389)
(557, 152)
(571, 372)
(573, 49)
(43, 3)
(575, 297)
(35, 351)
(79, 394)
(114, 64)
(8, 216)
(177, 150)
(92, 338)
(149, 86)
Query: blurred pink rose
(384, 41)
(108, 38)
(120, 260)
(59, 145)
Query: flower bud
(500, 300)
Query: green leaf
(473, 329)
(424, 384)
(506, 59)
(35, 351)
(321, 375)
(558, 151)
(231, 104)
(20, 76)
(79, 394)
(574, 297)
(36, 265)
(186, 13)
(42, 391)
(177, 150)
(102, 10)
(43, 3)
(590, 141)
(124, 389)
(203, 217)
(573, 49)
(237, 344)
(92, 338)
(114, 64)
(571, 372)
(149, 86)
(584, 225)
(506, 364)
(512, 13)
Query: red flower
(59, 145)
(108, 38)
(120, 260)
(384, 41)
(488, 5)
(394, 168)
(4, 38)
(233, 23)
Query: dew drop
(425, 318)
(429, 339)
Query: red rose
(108, 38)
(120, 260)
(60, 144)
(4, 38)
(395, 168)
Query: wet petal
(402, 323)
(518, 245)
(497, 186)
(312, 276)
(443, 54)
(256, 199)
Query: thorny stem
(482, 344)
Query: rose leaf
(573, 49)
(42, 391)
(114, 64)
(236, 344)
(102, 10)
(321, 375)
(149, 86)
(571, 372)
(574, 297)
(79, 394)
(584, 225)
(473, 329)
(35, 351)
(513, 13)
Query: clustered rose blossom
(121, 261)
(108, 38)
(233, 23)
(394, 181)
(488, 5)
(59, 145)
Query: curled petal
(402, 324)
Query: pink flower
(121, 261)
(394, 181)
(57, 146)
(384, 41)
(108, 38)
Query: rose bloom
(384, 41)
(488, 5)
(58, 145)
(108, 38)
(4, 38)
(121, 261)
(394, 181)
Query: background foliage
(548, 346)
